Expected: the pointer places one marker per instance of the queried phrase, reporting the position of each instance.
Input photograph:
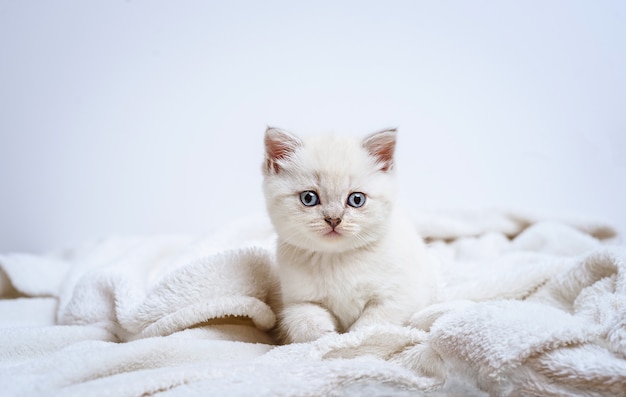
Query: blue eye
(356, 199)
(309, 198)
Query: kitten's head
(329, 193)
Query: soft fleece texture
(527, 307)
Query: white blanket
(527, 307)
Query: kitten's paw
(306, 322)
(306, 333)
(377, 314)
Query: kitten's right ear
(279, 145)
(382, 145)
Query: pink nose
(333, 222)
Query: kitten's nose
(333, 222)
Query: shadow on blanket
(528, 306)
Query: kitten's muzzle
(333, 222)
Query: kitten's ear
(279, 145)
(382, 145)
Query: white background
(146, 117)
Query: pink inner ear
(382, 146)
(278, 145)
(385, 156)
(278, 150)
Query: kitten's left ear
(279, 145)
(382, 145)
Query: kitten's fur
(369, 268)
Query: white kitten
(347, 257)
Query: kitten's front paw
(306, 322)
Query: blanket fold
(237, 283)
(528, 306)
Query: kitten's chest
(344, 284)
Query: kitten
(347, 257)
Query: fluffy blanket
(528, 306)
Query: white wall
(144, 117)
